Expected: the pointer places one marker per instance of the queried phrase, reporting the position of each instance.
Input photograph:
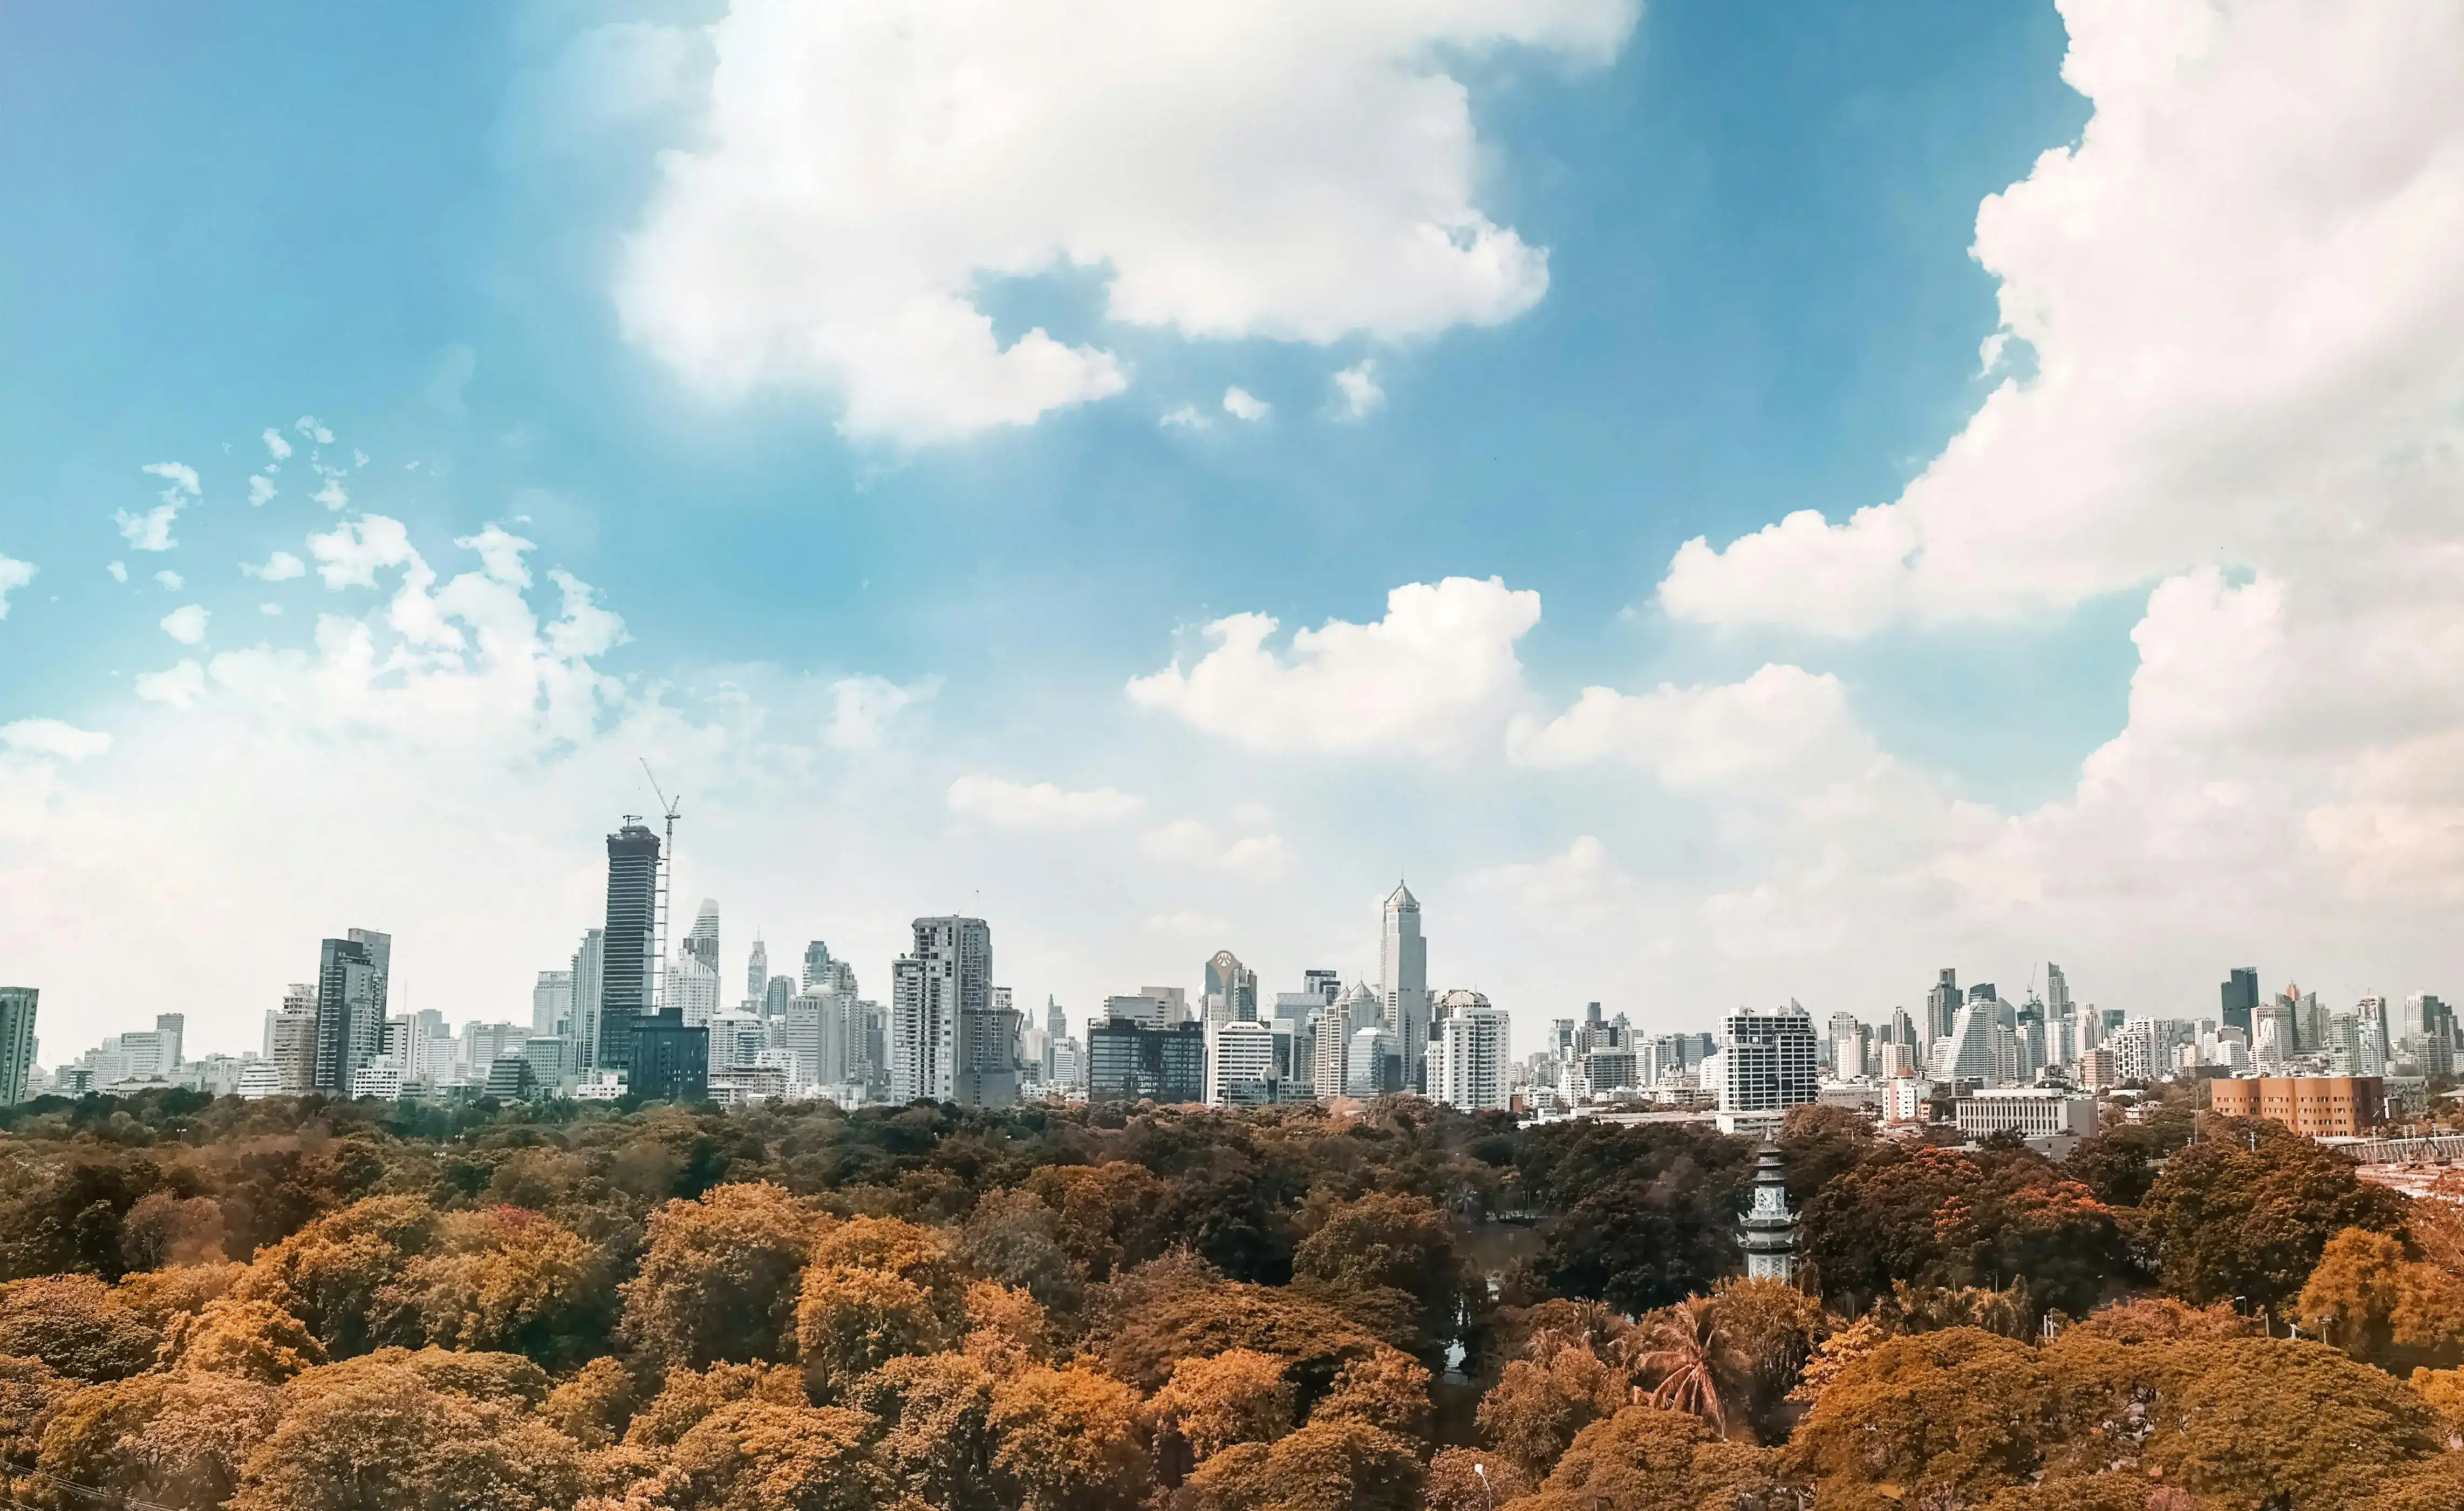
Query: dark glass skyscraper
(350, 1006)
(627, 963)
(2241, 999)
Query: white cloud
(1235, 168)
(180, 685)
(1440, 668)
(1186, 841)
(14, 575)
(1358, 393)
(186, 625)
(861, 708)
(309, 426)
(260, 489)
(270, 610)
(277, 445)
(1241, 404)
(356, 550)
(1041, 806)
(1184, 417)
(151, 531)
(53, 740)
(333, 495)
(1782, 730)
(281, 567)
(2249, 336)
(118, 571)
(171, 580)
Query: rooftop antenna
(671, 806)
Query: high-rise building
(817, 964)
(692, 987)
(702, 944)
(987, 1070)
(1471, 1059)
(2240, 998)
(1231, 994)
(948, 974)
(1979, 1048)
(1942, 1005)
(1130, 1062)
(756, 973)
(1403, 976)
(775, 999)
(1373, 1065)
(1324, 985)
(552, 1004)
(1767, 1066)
(2057, 991)
(1056, 1022)
(1239, 1062)
(589, 965)
(17, 1004)
(1847, 1046)
(350, 1006)
(670, 1061)
(630, 950)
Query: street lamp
(1486, 1494)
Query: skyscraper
(947, 973)
(1403, 977)
(1942, 1005)
(16, 1041)
(817, 964)
(630, 950)
(1231, 989)
(2240, 994)
(552, 1004)
(702, 944)
(351, 975)
(2057, 991)
(1767, 1066)
(589, 966)
(756, 973)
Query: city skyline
(1735, 505)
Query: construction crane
(671, 806)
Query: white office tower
(1470, 1063)
(291, 1042)
(1847, 1040)
(1231, 993)
(948, 972)
(2356, 1043)
(1404, 976)
(756, 973)
(1766, 1066)
(1978, 1048)
(589, 964)
(18, 1006)
(692, 988)
(1240, 1064)
(1461, 999)
(552, 1004)
(736, 1039)
(1144, 1009)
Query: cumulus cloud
(281, 567)
(151, 531)
(277, 446)
(260, 489)
(1438, 670)
(180, 685)
(1241, 404)
(1184, 417)
(1041, 807)
(1781, 730)
(355, 551)
(1357, 394)
(314, 428)
(171, 580)
(1187, 842)
(2248, 337)
(333, 494)
(186, 625)
(119, 570)
(14, 575)
(1234, 169)
(53, 740)
(861, 708)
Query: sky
(1731, 503)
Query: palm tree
(1683, 1347)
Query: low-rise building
(2032, 1112)
(2321, 1106)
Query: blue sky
(448, 234)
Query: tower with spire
(1403, 980)
(1767, 1232)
